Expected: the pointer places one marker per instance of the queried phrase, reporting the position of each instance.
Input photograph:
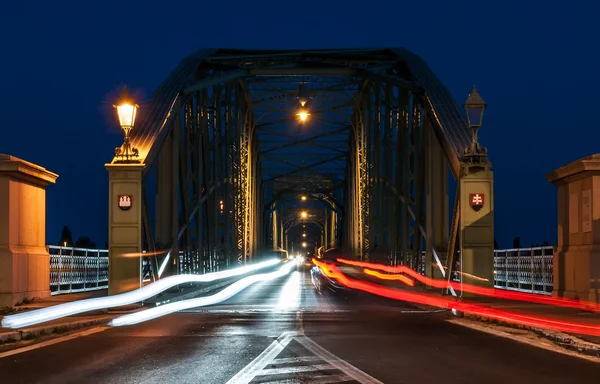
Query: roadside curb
(104, 318)
(33, 332)
(562, 340)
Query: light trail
(421, 298)
(153, 313)
(469, 288)
(406, 280)
(68, 309)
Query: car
(323, 283)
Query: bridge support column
(477, 225)
(124, 227)
(577, 257)
(24, 259)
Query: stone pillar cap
(575, 169)
(24, 170)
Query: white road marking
(296, 369)
(249, 371)
(299, 359)
(325, 379)
(322, 360)
(338, 363)
(299, 324)
(53, 341)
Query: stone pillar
(124, 227)
(477, 225)
(24, 259)
(577, 257)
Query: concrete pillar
(24, 259)
(124, 227)
(477, 225)
(577, 257)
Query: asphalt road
(283, 331)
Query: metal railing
(77, 269)
(525, 269)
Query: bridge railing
(525, 269)
(520, 269)
(77, 269)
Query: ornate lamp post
(127, 111)
(474, 107)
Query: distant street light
(303, 198)
(304, 244)
(304, 215)
(303, 115)
(303, 95)
(474, 107)
(127, 112)
(304, 235)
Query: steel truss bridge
(232, 172)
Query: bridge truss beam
(207, 184)
(396, 180)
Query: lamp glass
(127, 113)
(475, 114)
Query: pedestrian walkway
(64, 324)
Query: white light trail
(289, 297)
(68, 309)
(153, 313)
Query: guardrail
(525, 269)
(77, 269)
(80, 269)
(520, 269)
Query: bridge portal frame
(213, 156)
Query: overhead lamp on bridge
(303, 114)
(127, 112)
(474, 108)
(303, 96)
(304, 214)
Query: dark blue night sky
(534, 62)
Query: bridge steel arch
(203, 179)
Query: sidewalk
(65, 324)
(98, 317)
(582, 343)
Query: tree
(517, 242)
(85, 242)
(66, 238)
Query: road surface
(283, 331)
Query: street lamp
(304, 215)
(474, 107)
(127, 111)
(304, 244)
(303, 114)
(304, 235)
(303, 198)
